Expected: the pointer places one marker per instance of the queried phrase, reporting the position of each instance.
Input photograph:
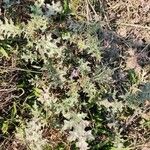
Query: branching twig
(92, 8)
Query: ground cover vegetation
(74, 75)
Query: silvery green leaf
(53, 9)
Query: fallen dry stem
(134, 25)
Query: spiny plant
(41, 46)
(70, 89)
